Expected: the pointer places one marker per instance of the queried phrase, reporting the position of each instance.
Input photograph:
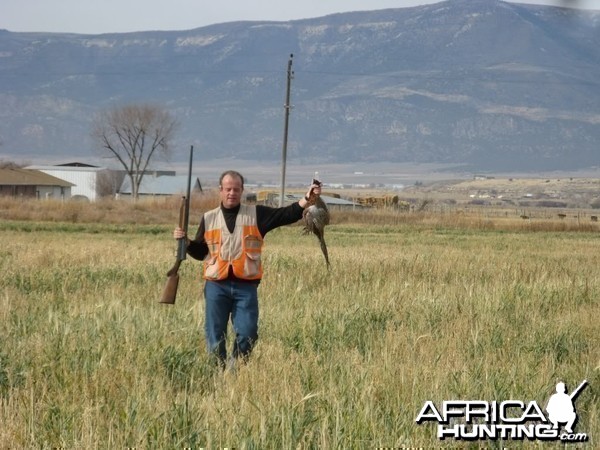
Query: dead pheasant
(316, 216)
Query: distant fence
(528, 213)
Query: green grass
(345, 359)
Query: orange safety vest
(240, 250)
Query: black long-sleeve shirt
(267, 219)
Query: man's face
(231, 191)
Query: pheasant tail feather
(324, 250)
(319, 235)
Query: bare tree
(135, 135)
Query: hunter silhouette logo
(472, 420)
(560, 406)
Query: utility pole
(287, 108)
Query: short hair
(231, 173)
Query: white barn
(84, 177)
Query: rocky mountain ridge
(480, 83)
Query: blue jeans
(235, 299)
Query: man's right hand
(178, 233)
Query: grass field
(414, 309)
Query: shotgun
(170, 290)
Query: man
(229, 241)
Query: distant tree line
(10, 164)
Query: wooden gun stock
(170, 290)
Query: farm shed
(161, 185)
(16, 182)
(89, 182)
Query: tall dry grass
(156, 210)
(346, 359)
(161, 211)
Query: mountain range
(483, 84)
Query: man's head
(231, 186)
(560, 388)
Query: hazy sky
(107, 16)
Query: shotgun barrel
(579, 388)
